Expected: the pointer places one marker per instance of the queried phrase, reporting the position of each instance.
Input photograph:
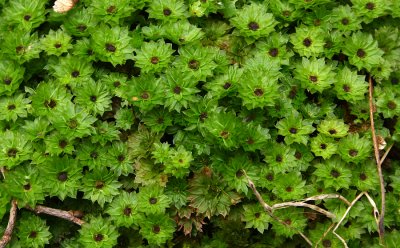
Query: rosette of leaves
(152, 200)
(74, 122)
(123, 210)
(80, 22)
(200, 8)
(112, 44)
(293, 221)
(95, 157)
(111, 11)
(24, 15)
(280, 158)
(120, 163)
(196, 61)
(334, 173)
(71, 70)
(363, 51)
(178, 162)
(258, 88)
(157, 229)
(62, 176)
(303, 156)
(114, 82)
(256, 217)
(369, 9)
(100, 185)
(93, 97)
(255, 137)
(236, 172)
(354, 148)
(388, 101)
(275, 48)
(289, 186)
(11, 76)
(345, 19)
(157, 119)
(56, 42)
(224, 128)
(225, 84)
(48, 99)
(328, 240)
(180, 90)
(253, 22)
(198, 112)
(84, 48)
(177, 192)
(24, 184)
(333, 45)
(308, 41)
(98, 232)
(15, 148)
(209, 194)
(333, 127)
(365, 177)
(154, 56)
(350, 86)
(318, 17)
(167, 10)
(323, 146)
(161, 152)
(124, 118)
(105, 132)
(14, 107)
(32, 231)
(314, 74)
(182, 32)
(146, 92)
(21, 46)
(285, 11)
(36, 129)
(57, 144)
(294, 128)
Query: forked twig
(324, 235)
(303, 204)
(376, 214)
(327, 196)
(381, 227)
(10, 226)
(66, 215)
(269, 210)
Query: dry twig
(269, 209)
(303, 204)
(66, 215)
(381, 227)
(10, 226)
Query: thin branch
(324, 235)
(268, 209)
(381, 227)
(10, 226)
(327, 196)
(67, 215)
(3, 172)
(385, 155)
(259, 197)
(302, 204)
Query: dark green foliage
(146, 118)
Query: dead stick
(385, 155)
(327, 196)
(268, 209)
(381, 227)
(10, 226)
(302, 204)
(66, 215)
